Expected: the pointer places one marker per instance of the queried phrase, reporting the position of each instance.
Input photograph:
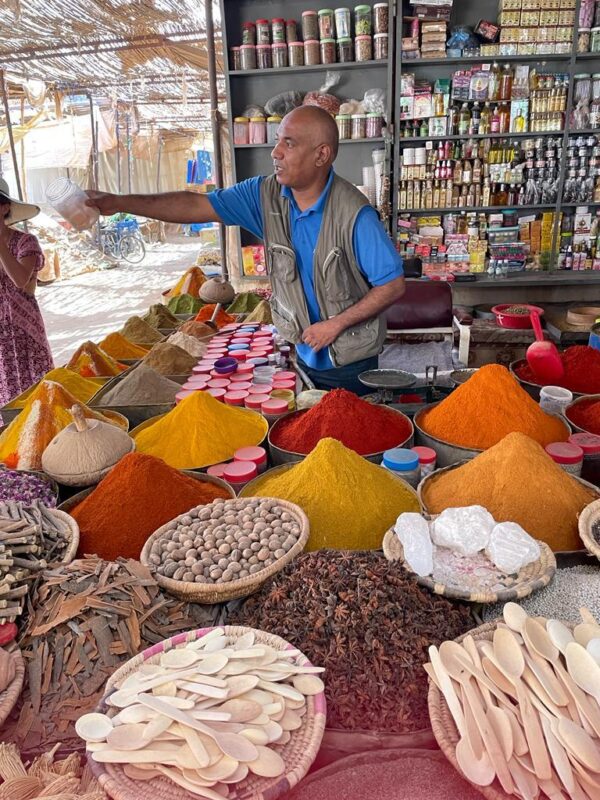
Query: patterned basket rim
(587, 518)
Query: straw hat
(18, 211)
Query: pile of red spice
(360, 426)
(222, 318)
(586, 415)
(582, 370)
(138, 495)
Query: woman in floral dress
(24, 350)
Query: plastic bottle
(427, 459)
(69, 200)
(495, 83)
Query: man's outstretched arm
(182, 207)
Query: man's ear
(323, 155)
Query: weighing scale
(392, 385)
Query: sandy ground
(92, 305)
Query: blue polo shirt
(376, 256)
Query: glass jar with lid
(374, 125)
(248, 56)
(291, 31)
(380, 41)
(263, 31)
(312, 52)
(359, 126)
(582, 91)
(258, 130)
(327, 51)
(345, 50)
(362, 20)
(381, 18)
(241, 130)
(326, 23)
(343, 23)
(248, 33)
(310, 25)
(344, 124)
(403, 463)
(296, 54)
(279, 55)
(595, 39)
(264, 56)
(236, 58)
(278, 30)
(363, 48)
(273, 124)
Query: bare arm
(20, 272)
(322, 334)
(183, 207)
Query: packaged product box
(530, 18)
(562, 47)
(545, 48)
(437, 38)
(510, 18)
(550, 17)
(407, 84)
(489, 50)
(433, 47)
(526, 48)
(564, 34)
(438, 126)
(409, 44)
(566, 17)
(511, 5)
(407, 107)
(508, 49)
(423, 107)
(253, 260)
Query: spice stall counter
(557, 286)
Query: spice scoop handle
(542, 356)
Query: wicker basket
(531, 578)
(221, 592)
(298, 754)
(9, 697)
(589, 516)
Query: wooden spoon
(559, 634)
(448, 691)
(587, 616)
(515, 616)
(478, 771)
(583, 669)
(560, 760)
(585, 632)
(526, 783)
(578, 743)
(593, 648)
(269, 763)
(501, 726)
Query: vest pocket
(336, 277)
(356, 343)
(286, 321)
(282, 263)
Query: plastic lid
(296, 44)
(218, 383)
(241, 119)
(262, 21)
(239, 355)
(363, 8)
(202, 369)
(241, 346)
(258, 119)
(258, 455)
(380, 35)
(196, 382)
(291, 385)
(343, 116)
(427, 455)
(564, 452)
(278, 19)
(345, 40)
(327, 41)
(255, 401)
(245, 369)
(289, 21)
(183, 394)
(237, 339)
(306, 13)
(262, 47)
(218, 394)
(279, 44)
(325, 11)
(364, 36)
(400, 459)
(311, 41)
(359, 116)
(260, 388)
(216, 470)
(247, 46)
(248, 25)
(274, 406)
(240, 386)
(275, 119)
(374, 114)
(240, 376)
(380, 5)
(259, 362)
(235, 398)
(589, 443)
(240, 472)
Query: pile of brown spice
(168, 359)
(369, 624)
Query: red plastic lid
(289, 385)
(240, 472)
(240, 386)
(248, 25)
(241, 377)
(216, 351)
(427, 455)
(260, 388)
(290, 21)
(278, 19)
(285, 375)
(202, 369)
(245, 369)
(183, 394)
(564, 452)
(262, 21)
(195, 384)
(257, 455)
(306, 13)
(589, 443)
(239, 355)
(218, 383)
(235, 398)
(218, 394)
(274, 406)
(255, 401)
(216, 470)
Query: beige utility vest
(338, 282)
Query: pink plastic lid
(240, 386)
(221, 351)
(202, 369)
(564, 452)
(255, 401)
(240, 339)
(589, 443)
(216, 470)
(291, 385)
(235, 398)
(240, 472)
(195, 384)
(257, 455)
(218, 394)
(218, 375)
(426, 454)
(183, 394)
(285, 375)
(245, 369)
(230, 327)
(218, 383)
(241, 377)
(239, 355)
(260, 388)
(274, 406)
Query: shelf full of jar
(540, 58)
(253, 73)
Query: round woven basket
(532, 577)
(9, 697)
(588, 517)
(298, 754)
(220, 592)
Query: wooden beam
(11, 138)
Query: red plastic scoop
(543, 357)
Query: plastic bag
(253, 111)
(351, 107)
(464, 530)
(413, 532)
(374, 101)
(282, 103)
(511, 548)
(322, 97)
(462, 36)
(309, 398)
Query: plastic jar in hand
(241, 130)
(381, 46)
(328, 51)
(359, 126)
(326, 23)
(380, 18)
(343, 23)
(374, 126)
(248, 33)
(258, 130)
(296, 54)
(278, 30)
(312, 52)
(345, 50)
(344, 123)
(291, 31)
(263, 56)
(279, 54)
(310, 25)
(263, 31)
(248, 56)
(363, 48)
(362, 20)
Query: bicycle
(123, 240)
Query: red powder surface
(361, 426)
(586, 415)
(582, 370)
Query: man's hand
(107, 204)
(322, 334)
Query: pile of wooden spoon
(526, 705)
(204, 714)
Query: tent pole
(11, 138)
(117, 134)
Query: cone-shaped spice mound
(90, 361)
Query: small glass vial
(374, 126)
(291, 31)
(248, 33)
(362, 20)
(427, 459)
(359, 126)
(239, 473)
(248, 56)
(312, 52)
(326, 23)
(363, 48)
(310, 25)
(278, 30)
(403, 463)
(264, 58)
(344, 123)
(236, 58)
(258, 130)
(568, 456)
(345, 50)
(328, 51)
(343, 23)
(380, 18)
(380, 41)
(279, 55)
(273, 124)
(296, 54)
(241, 130)
(263, 31)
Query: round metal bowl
(580, 399)
(532, 389)
(460, 376)
(281, 456)
(447, 453)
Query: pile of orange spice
(222, 318)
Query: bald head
(319, 126)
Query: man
(332, 267)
